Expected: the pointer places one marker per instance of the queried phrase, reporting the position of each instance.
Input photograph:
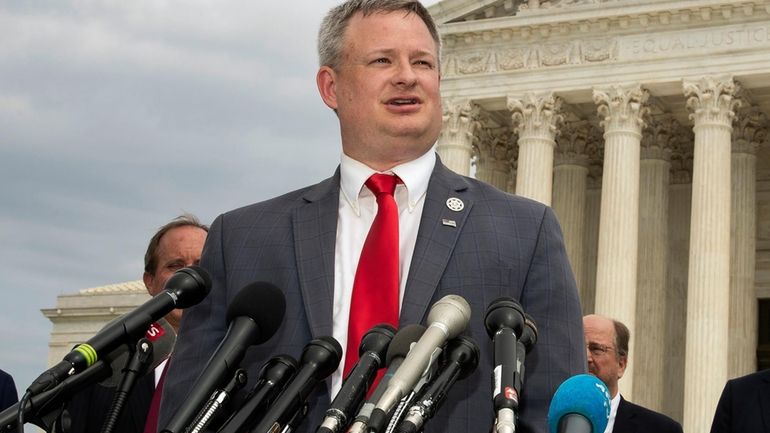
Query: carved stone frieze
(749, 129)
(572, 143)
(621, 108)
(533, 56)
(536, 115)
(710, 100)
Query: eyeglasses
(597, 349)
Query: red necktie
(151, 425)
(375, 287)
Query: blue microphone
(581, 405)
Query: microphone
(504, 321)
(462, 358)
(371, 353)
(254, 315)
(447, 318)
(106, 371)
(273, 376)
(397, 351)
(581, 404)
(162, 336)
(187, 287)
(319, 359)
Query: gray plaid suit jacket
(502, 245)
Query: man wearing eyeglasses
(607, 351)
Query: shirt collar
(414, 174)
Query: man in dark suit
(175, 245)
(744, 406)
(380, 73)
(607, 351)
(8, 394)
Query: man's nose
(405, 75)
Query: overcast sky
(116, 116)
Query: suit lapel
(439, 229)
(315, 232)
(623, 418)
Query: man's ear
(326, 79)
(148, 280)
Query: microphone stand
(136, 367)
(217, 400)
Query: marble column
(649, 344)
(570, 177)
(711, 103)
(680, 196)
(595, 151)
(622, 109)
(493, 163)
(535, 117)
(455, 144)
(749, 131)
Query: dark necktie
(151, 425)
(376, 287)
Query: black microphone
(397, 351)
(319, 359)
(461, 359)
(107, 371)
(446, 319)
(273, 377)
(371, 353)
(504, 321)
(254, 315)
(187, 287)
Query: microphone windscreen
(190, 285)
(402, 341)
(584, 395)
(162, 336)
(262, 302)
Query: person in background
(8, 394)
(607, 351)
(175, 245)
(744, 406)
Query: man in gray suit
(380, 74)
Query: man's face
(178, 248)
(606, 365)
(385, 89)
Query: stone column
(535, 118)
(711, 103)
(455, 144)
(570, 176)
(493, 164)
(622, 110)
(649, 344)
(680, 196)
(749, 131)
(595, 151)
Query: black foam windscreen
(403, 340)
(264, 303)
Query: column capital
(495, 145)
(595, 152)
(659, 137)
(710, 100)
(622, 107)
(749, 129)
(682, 155)
(461, 118)
(536, 114)
(572, 143)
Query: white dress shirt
(614, 403)
(357, 209)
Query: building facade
(644, 125)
